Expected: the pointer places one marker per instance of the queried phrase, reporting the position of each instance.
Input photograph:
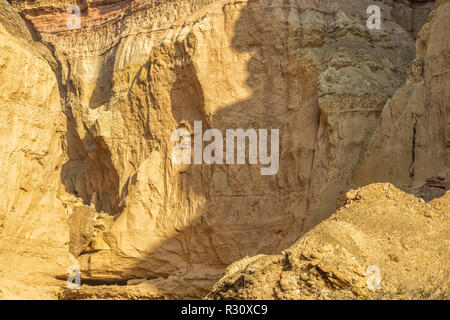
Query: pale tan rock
(137, 70)
(33, 221)
(411, 143)
(383, 230)
(81, 226)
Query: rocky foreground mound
(87, 116)
(378, 229)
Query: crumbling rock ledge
(87, 115)
(378, 228)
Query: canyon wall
(381, 244)
(33, 221)
(102, 103)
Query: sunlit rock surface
(353, 106)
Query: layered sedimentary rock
(379, 233)
(138, 70)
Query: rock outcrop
(382, 244)
(33, 221)
(102, 102)
(414, 128)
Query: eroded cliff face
(33, 221)
(414, 125)
(114, 91)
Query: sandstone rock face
(383, 244)
(81, 225)
(106, 98)
(33, 221)
(414, 127)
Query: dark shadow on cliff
(85, 172)
(103, 85)
(245, 213)
(89, 167)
